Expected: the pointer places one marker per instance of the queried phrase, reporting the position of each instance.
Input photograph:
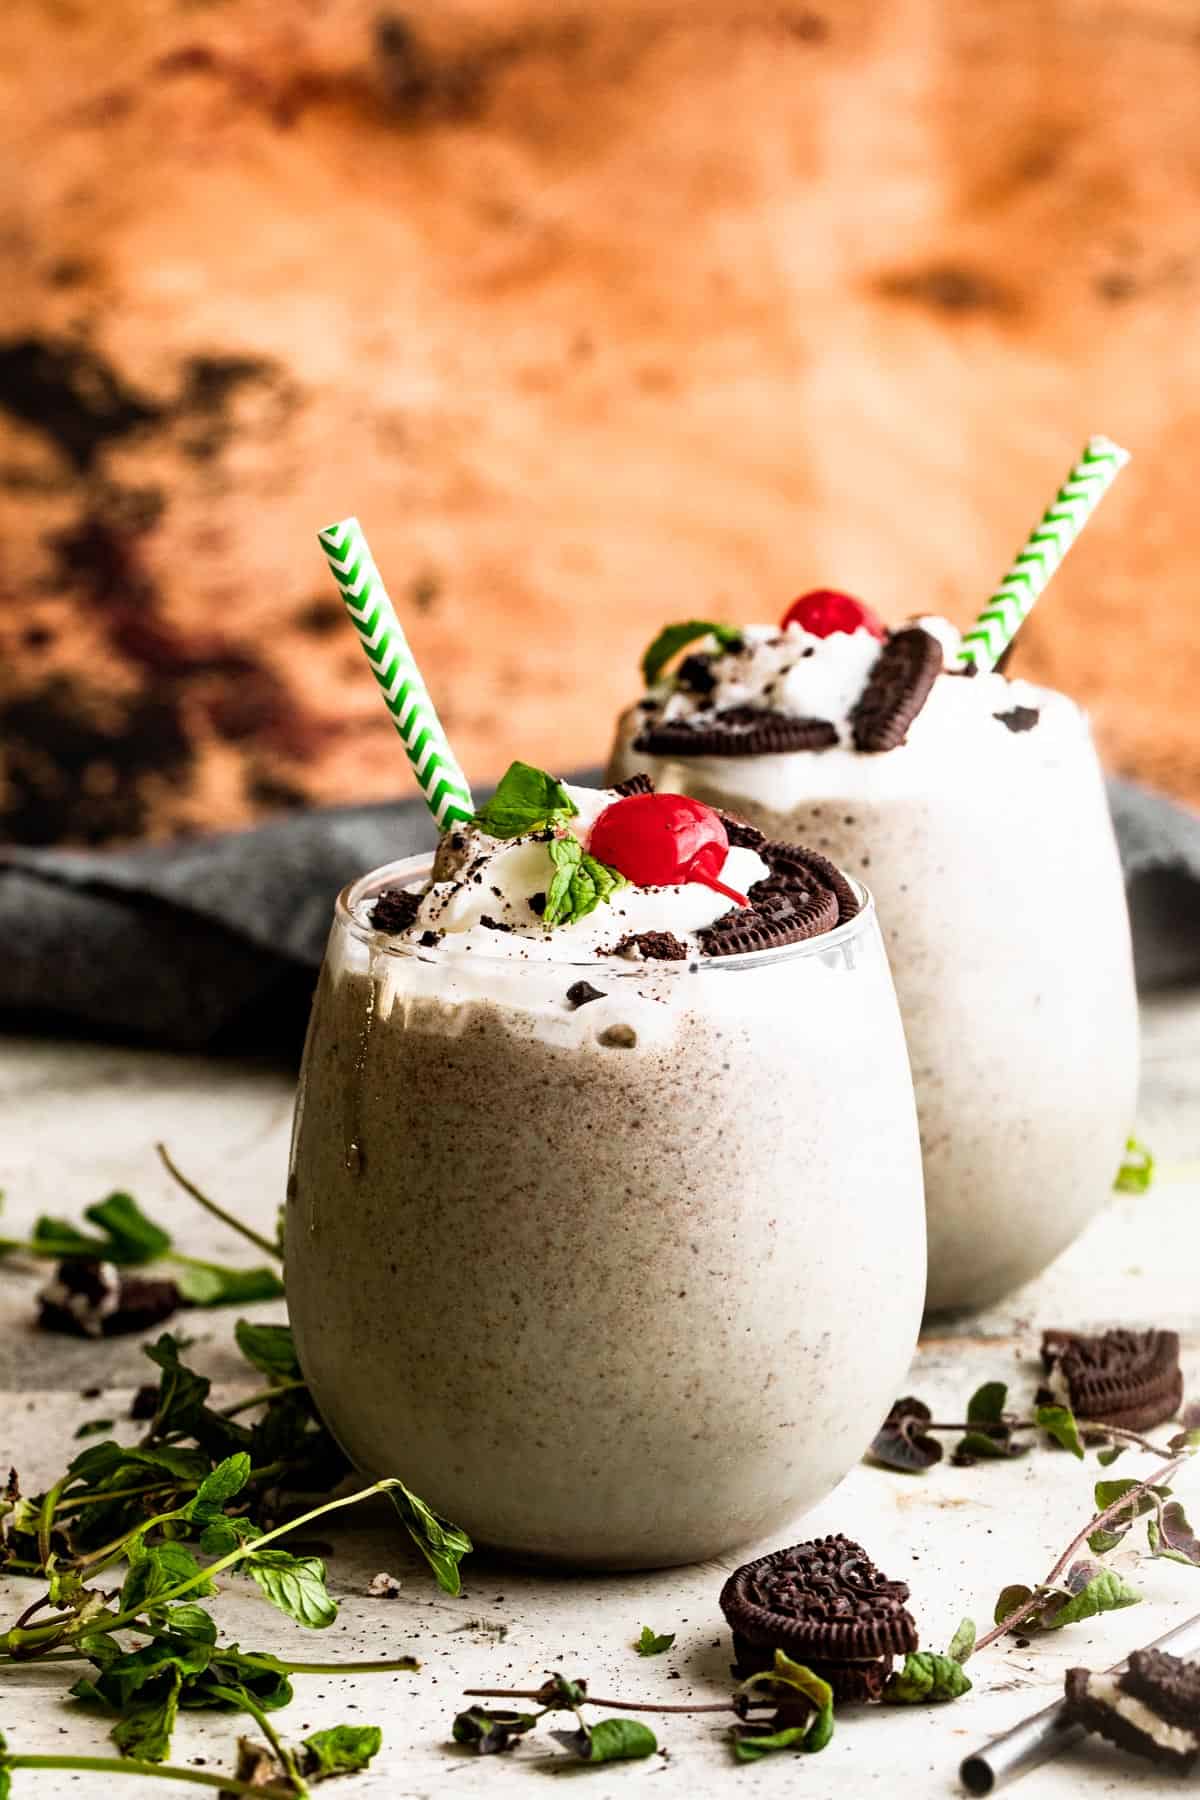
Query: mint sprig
(580, 883)
(526, 800)
(674, 638)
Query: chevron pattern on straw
(993, 631)
(438, 775)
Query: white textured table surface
(77, 1121)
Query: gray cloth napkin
(215, 943)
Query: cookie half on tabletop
(1130, 1379)
(1152, 1708)
(825, 1604)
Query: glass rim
(409, 868)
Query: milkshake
(975, 808)
(605, 1216)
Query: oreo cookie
(634, 784)
(898, 686)
(737, 731)
(1019, 718)
(801, 897)
(824, 1604)
(655, 946)
(395, 910)
(1152, 1708)
(741, 834)
(1130, 1379)
(792, 865)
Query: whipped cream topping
(1108, 1690)
(796, 674)
(788, 671)
(481, 897)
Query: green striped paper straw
(985, 642)
(438, 775)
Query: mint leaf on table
(1171, 1535)
(609, 1740)
(132, 1237)
(181, 1392)
(212, 1284)
(963, 1642)
(144, 1730)
(989, 1435)
(1093, 1590)
(674, 638)
(295, 1584)
(271, 1349)
(341, 1750)
(156, 1571)
(526, 799)
(442, 1544)
(901, 1442)
(1136, 1173)
(218, 1488)
(558, 1693)
(1059, 1422)
(93, 1427)
(652, 1643)
(489, 1730)
(926, 1679)
(1107, 1537)
(796, 1688)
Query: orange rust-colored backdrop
(598, 312)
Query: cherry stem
(718, 887)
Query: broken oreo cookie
(634, 784)
(1152, 1708)
(824, 1604)
(395, 910)
(898, 686)
(1019, 718)
(1130, 1379)
(802, 896)
(655, 946)
(738, 731)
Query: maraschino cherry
(663, 840)
(824, 611)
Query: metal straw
(1048, 1732)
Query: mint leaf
(225, 1534)
(560, 1694)
(156, 1571)
(579, 883)
(1101, 1592)
(901, 1443)
(784, 1682)
(93, 1427)
(990, 1435)
(219, 1487)
(340, 1751)
(132, 1237)
(674, 638)
(1059, 1422)
(295, 1584)
(269, 1348)
(5, 1777)
(145, 1730)
(963, 1642)
(1010, 1600)
(442, 1544)
(1172, 1536)
(489, 1731)
(211, 1284)
(181, 1392)
(986, 1405)
(926, 1679)
(526, 799)
(652, 1644)
(752, 1742)
(1136, 1174)
(609, 1740)
(1107, 1537)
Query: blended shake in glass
(975, 808)
(605, 1215)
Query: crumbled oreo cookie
(736, 731)
(1019, 718)
(655, 946)
(537, 904)
(429, 940)
(89, 1298)
(634, 784)
(395, 910)
(695, 674)
(1130, 1379)
(1152, 1708)
(824, 1604)
(803, 896)
(898, 686)
(490, 924)
(581, 993)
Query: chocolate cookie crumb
(395, 910)
(1019, 718)
(429, 940)
(634, 784)
(580, 993)
(656, 946)
(490, 924)
(537, 904)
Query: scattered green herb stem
(218, 1212)
(1038, 1598)
(719, 1706)
(127, 1765)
